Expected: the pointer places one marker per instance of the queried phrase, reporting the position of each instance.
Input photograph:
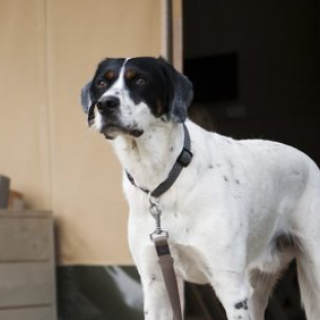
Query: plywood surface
(25, 284)
(24, 240)
(27, 269)
(41, 313)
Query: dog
(236, 215)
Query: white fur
(223, 213)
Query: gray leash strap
(160, 239)
(169, 276)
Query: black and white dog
(237, 215)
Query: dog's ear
(87, 103)
(180, 92)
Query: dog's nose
(108, 104)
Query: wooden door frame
(172, 32)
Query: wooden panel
(40, 313)
(25, 214)
(27, 271)
(25, 239)
(26, 284)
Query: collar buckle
(185, 157)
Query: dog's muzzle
(109, 109)
(108, 105)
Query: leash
(165, 259)
(159, 236)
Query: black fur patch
(286, 241)
(242, 305)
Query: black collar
(182, 161)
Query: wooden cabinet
(27, 268)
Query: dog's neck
(150, 157)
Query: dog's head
(126, 96)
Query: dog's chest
(188, 263)
(186, 250)
(189, 257)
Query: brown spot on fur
(130, 74)
(109, 75)
(159, 108)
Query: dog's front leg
(232, 288)
(226, 270)
(156, 302)
(157, 305)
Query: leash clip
(156, 212)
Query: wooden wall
(50, 50)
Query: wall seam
(48, 107)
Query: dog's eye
(140, 81)
(101, 83)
